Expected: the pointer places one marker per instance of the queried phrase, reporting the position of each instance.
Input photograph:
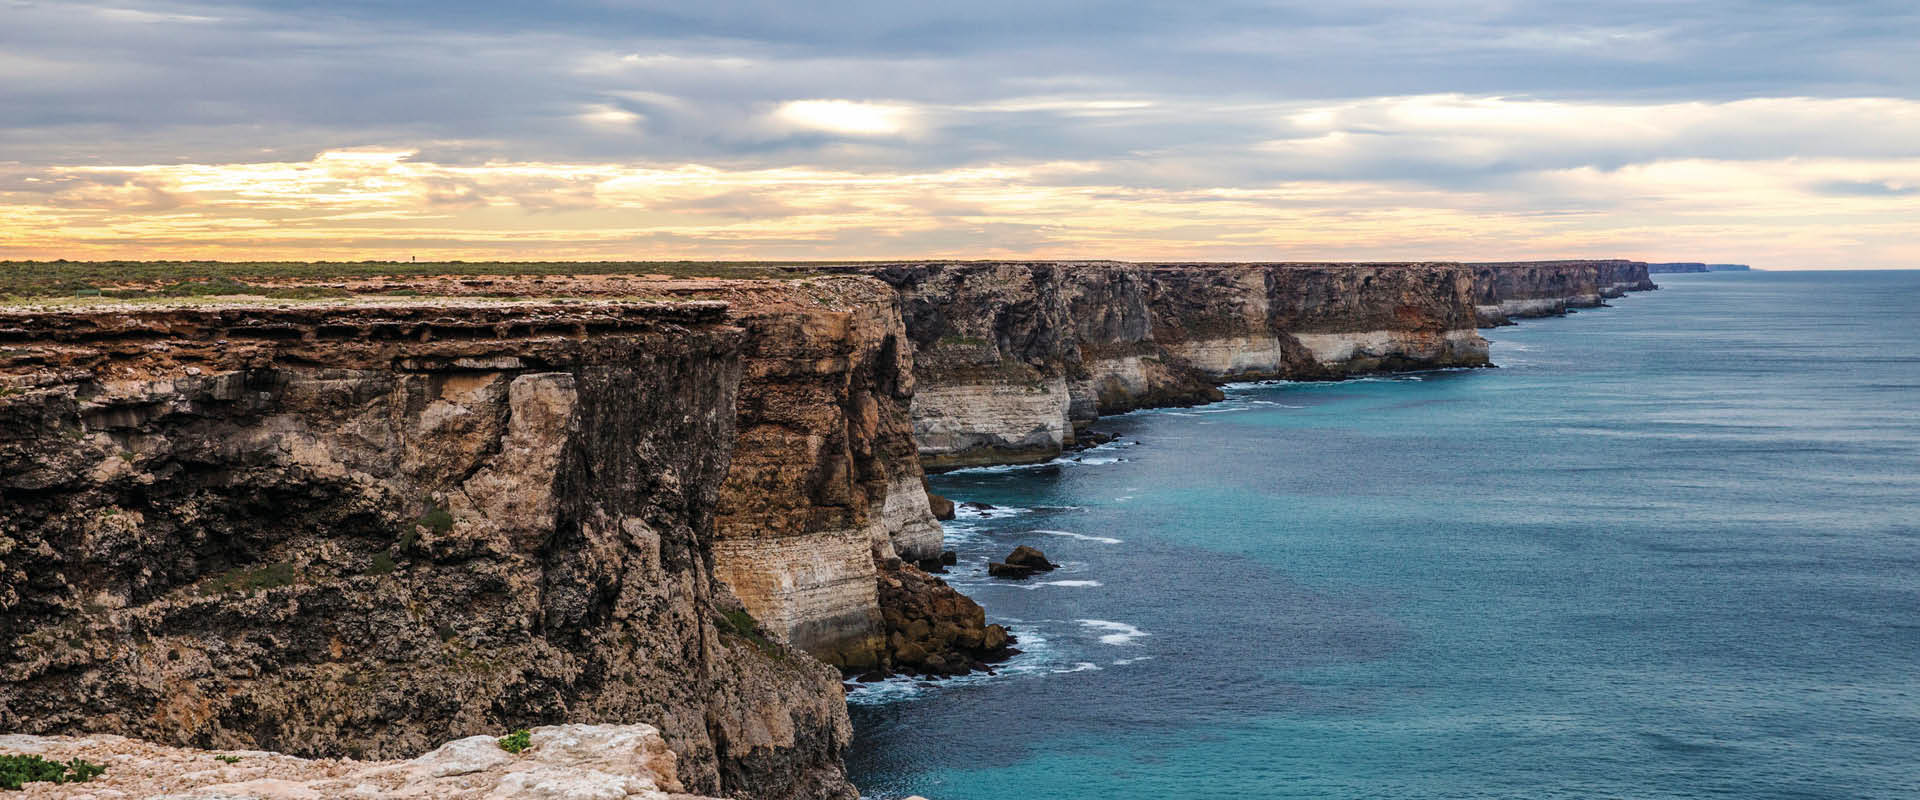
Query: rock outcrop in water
(362, 531)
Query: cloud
(1025, 124)
(846, 117)
(381, 203)
(1866, 188)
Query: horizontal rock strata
(1014, 359)
(363, 530)
(1511, 290)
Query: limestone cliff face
(1011, 357)
(362, 531)
(1505, 291)
(825, 493)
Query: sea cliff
(347, 530)
(1508, 290)
(363, 527)
(1014, 359)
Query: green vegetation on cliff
(18, 771)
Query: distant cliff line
(1014, 359)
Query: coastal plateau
(365, 526)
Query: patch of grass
(18, 771)
(250, 579)
(517, 741)
(742, 624)
(436, 519)
(382, 564)
(228, 759)
(964, 341)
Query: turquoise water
(1670, 549)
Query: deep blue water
(1670, 549)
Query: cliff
(360, 530)
(824, 512)
(1508, 290)
(365, 526)
(1670, 267)
(1013, 358)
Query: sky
(1780, 134)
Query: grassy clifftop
(190, 278)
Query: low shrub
(18, 771)
(517, 741)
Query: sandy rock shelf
(565, 762)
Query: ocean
(1669, 549)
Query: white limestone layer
(956, 418)
(1461, 346)
(816, 590)
(1234, 356)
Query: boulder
(999, 570)
(1031, 558)
(933, 629)
(942, 507)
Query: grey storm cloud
(1182, 91)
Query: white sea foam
(1081, 536)
(1118, 633)
(1025, 586)
(1082, 666)
(961, 512)
(1135, 660)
